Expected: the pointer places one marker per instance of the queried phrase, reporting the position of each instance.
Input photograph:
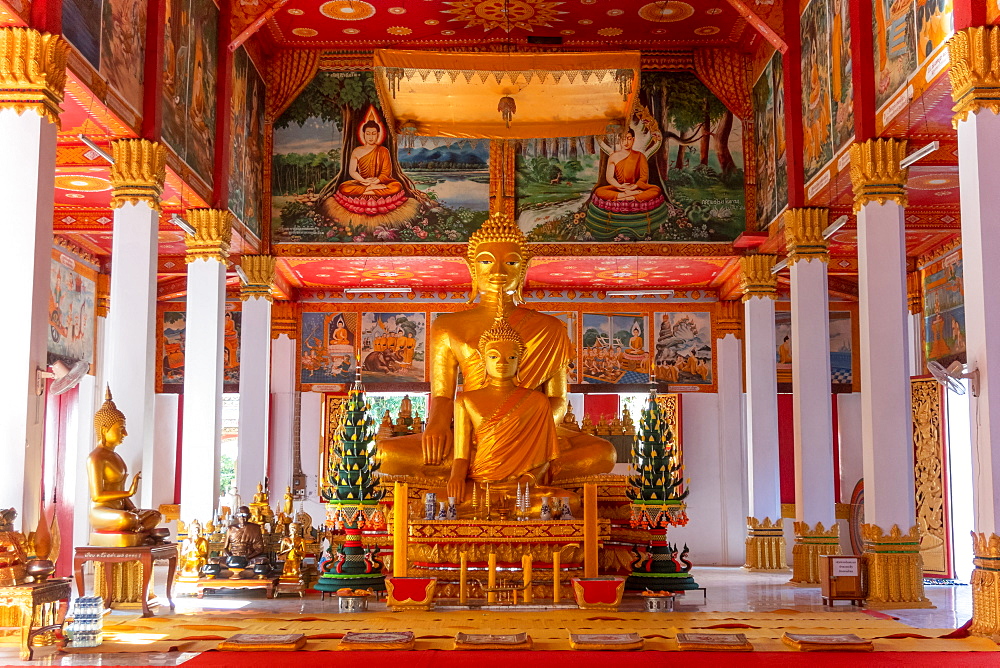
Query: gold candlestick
(526, 570)
(463, 579)
(475, 500)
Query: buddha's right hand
(435, 443)
(135, 483)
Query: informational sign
(846, 568)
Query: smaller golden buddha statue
(13, 550)
(286, 506)
(260, 509)
(385, 429)
(194, 552)
(615, 427)
(114, 519)
(569, 420)
(291, 551)
(628, 426)
(603, 429)
(587, 426)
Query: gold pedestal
(810, 545)
(894, 568)
(125, 587)
(117, 539)
(986, 586)
(765, 545)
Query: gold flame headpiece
(501, 331)
(107, 415)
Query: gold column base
(765, 545)
(986, 586)
(893, 568)
(810, 545)
(126, 584)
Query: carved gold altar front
(986, 585)
(765, 545)
(893, 568)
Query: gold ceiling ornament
(446, 94)
(32, 72)
(914, 292)
(974, 56)
(804, 234)
(505, 14)
(285, 319)
(756, 279)
(729, 319)
(894, 568)
(259, 269)
(102, 296)
(138, 172)
(213, 231)
(876, 174)
(985, 585)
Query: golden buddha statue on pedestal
(498, 261)
(114, 519)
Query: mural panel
(328, 347)
(944, 311)
(393, 347)
(81, 24)
(935, 24)
(841, 347)
(246, 174)
(173, 332)
(895, 47)
(189, 78)
(682, 349)
(615, 348)
(123, 50)
(765, 96)
(71, 314)
(232, 325)
(173, 328)
(840, 79)
(993, 11)
(675, 174)
(338, 175)
(571, 319)
(817, 115)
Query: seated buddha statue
(627, 177)
(114, 519)
(498, 259)
(194, 551)
(372, 189)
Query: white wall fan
(952, 375)
(66, 378)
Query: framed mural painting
(615, 348)
(944, 311)
(72, 298)
(393, 347)
(682, 347)
(329, 341)
(844, 352)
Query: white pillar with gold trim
(891, 536)
(137, 177)
(255, 374)
(816, 530)
(32, 78)
(732, 450)
(764, 525)
(282, 456)
(975, 78)
(201, 440)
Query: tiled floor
(728, 589)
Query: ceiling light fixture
(832, 228)
(96, 149)
(357, 291)
(779, 266)
(640, 293)
(183, 224)
(919, 154)
(243, 275)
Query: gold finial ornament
(876, 174)
(756, 279)
(804, 234)
(501, 331)
(260, 272)
(213, 231)
(974, 58)
(138, 172)
(32, 72)
(107, 415)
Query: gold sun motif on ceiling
(505, 14)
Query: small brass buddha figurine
(291, 551)
(498, 259)
(194, 552)
(569, 420)
(114, 519)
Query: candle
(589, 530)
(400, 528)
(556, 568)
(491, 578)
(463, 579)
(526, 570)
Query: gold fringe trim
(125, 586)
(213, 231)
(804, 235)
(260, 272)
(974, 58)
(32, 72)
(765, 545)
(756, 279)
(876, 174)
(810, 545)
(894, 568)
(138, 172)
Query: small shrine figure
(587, 426)
(194, 552)
(385, 429)
(230, 502)
(291, 551)
(406, 407)
(286, 506)
(260, 509)
(569, 420)
(418, 423)
(602, 427)
(13, 550)
(615, 427)
(244, 538)
(628, 426)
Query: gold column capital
(804, 234)
(102, 296)
(875, 172)
(213, 231)
(974, 57)
(756, 279)
(729, 319)
(260, 274)
(138, 172)
(32, 72)
(285, 319)
(894, 567)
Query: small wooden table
(53, 599)
(144, 554)
(270, 585)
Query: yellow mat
(549, 629)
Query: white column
(137, 180)
(762, 388)
(27, 189)
(201, 439)
(979, 182)
(886, 424)
(255, 372)
(281, 455)
(811, 400)
(732, 454)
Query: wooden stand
(144, 554)
(840, 579)
(53, 597)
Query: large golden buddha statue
(114, 519)
(498, 261)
